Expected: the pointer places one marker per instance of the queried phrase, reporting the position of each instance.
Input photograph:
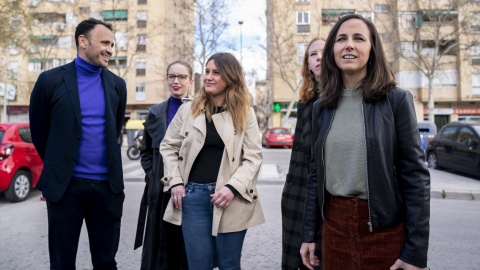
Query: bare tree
(282, 47)
(211, 21)
(429, 37)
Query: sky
(254, 57)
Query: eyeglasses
(181, 78)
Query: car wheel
(432, 160)
(20, 187)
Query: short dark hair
(86, 26)
(377, 82)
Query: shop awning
(338, 11)
(115, 14)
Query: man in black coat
(76, 114)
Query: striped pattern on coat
(294, 191)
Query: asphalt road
(454, 238)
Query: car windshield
(476, 127)
(279, 131)
(1, 135)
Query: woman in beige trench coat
(212, 154)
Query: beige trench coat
(239, 167)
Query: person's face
(97, 48)
(315, 58)
(214, 84)
(178, 80)
(352, 48)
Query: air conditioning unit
(60, 26)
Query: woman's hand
(178, 192)
(399, 264)
(307, 251)
(222, 198)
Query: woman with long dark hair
(368, 186)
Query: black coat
(294, 191)
(56, 127)
(163, 246)
(398, 181)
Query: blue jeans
(202, 248)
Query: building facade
(148, 35)
(422, 39)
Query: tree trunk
(431, 100)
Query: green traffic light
(277, 107)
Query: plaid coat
(294, 191)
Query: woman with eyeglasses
(212, 152)
(163, 246)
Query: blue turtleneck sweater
(173, 105)
(92, 154)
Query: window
(428, 48)
(465, 135)
(97, 15)
(476, 84)
(366, 14)
(475, 23)
(25, 134)
(407, 19)
(48, 17)
(13, 69)
(140, 91)
(142, 2)
(117, 62)
(408, 49)
(303, 21)
(85, 10)
(141, 42)
(301, 47)
(475, 54)
(449, 133)
(141, 64)
(115, 15)
(382, 8)
(436, 16)
(141, 19)
(303, 1)
(60, 62)
(121, 40)
(65, 42)
(417, 79)
(39, 65)
(331, 16)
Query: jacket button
(251, 190)
(180, 158)
(291, 184)
(165, 179)
(233, 159)
(186, 134)
(254, 197)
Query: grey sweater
(345, 149)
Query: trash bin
(132, 126)
(427, 130)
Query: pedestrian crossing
(133, 171)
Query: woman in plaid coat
(294, 191)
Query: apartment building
(148, 35)
(408, 30)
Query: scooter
(133, 152)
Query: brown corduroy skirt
(347, 242)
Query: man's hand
(399, 264)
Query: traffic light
(276, 107)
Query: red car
(277, 136)
(20, 164)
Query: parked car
(277, 136)
(456, 147)
(427, 130)
(20, 164)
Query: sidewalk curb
(469, 195)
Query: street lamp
(241, 48)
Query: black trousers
(93, 201)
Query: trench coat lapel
(200, 124)
(70, 78)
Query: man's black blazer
(56, 127)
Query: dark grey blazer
(55, 124)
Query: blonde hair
(238, 99)
(308, 89)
